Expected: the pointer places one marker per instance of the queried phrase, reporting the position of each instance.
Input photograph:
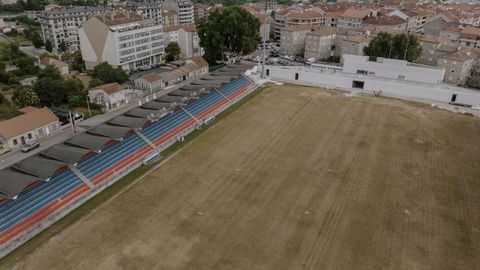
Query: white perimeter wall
(392, 69)
(401, 88)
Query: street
(66, 133)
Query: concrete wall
(392, 69)
(400, 88)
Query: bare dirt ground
(299, 178)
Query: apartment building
(169, 18)
(286, 18)
(200, 11)
(470, 37)
(292, 41)
(351, 44)
(458, 66)
(149, 8)
(416, 18)
(187, 38)
(123, 39)
(184, 9)
(62, 23)
(353, 17)
(320, 44)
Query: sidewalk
(66, 133)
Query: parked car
(30, 146)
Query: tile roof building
(28, 127)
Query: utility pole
(264, 41)
(88, 106)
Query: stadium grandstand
(41, 189)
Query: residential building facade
(28, 127)
(149, 8)
(187, 38)
(123, 39)
(61, 24)
(184, 9)
(169, 18)
(111, 96)
(458, 66)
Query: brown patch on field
(299, 178)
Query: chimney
(127, 14)
(112, 15)
(469, 53)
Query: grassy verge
(29, 247)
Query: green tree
(62, 46)
(77, 62)
(380, 46)
(25, 96)
(48, 46)
(50, 72)
(76, 100)
(37, 40)
(27, 65)
(173, 51)
(9, 51)
(50, 92)
(106, 73)
(401, 46)
(231, 30)
(95, 82)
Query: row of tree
(401, 46)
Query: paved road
(66, 133)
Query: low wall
(401, 88)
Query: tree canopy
(107, 74)
(51, 88)
(173, 51)
(231, 30)
(25, 96)
(401, 46)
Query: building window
(29, 136)
(15, 142)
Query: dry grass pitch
(299, 178)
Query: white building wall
(399, 88)
(392, 69)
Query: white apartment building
(184, 9)
(123, 39)
(149, 8)
(187, 38)
(62, 24)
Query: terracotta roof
(326, 31)
(356, 13)
(27, 109)
(429, 38)
(187, 68)
(301, 27)
(26, 122)
(303, 15)
(470, 32)
(187, 27)
(461, 56)
(169, 13)
(151, 77)
(109, 88)
(199, 61)
(384, 20)
(356, 38)
(52, 61)
(117, 18)
(200, 5)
